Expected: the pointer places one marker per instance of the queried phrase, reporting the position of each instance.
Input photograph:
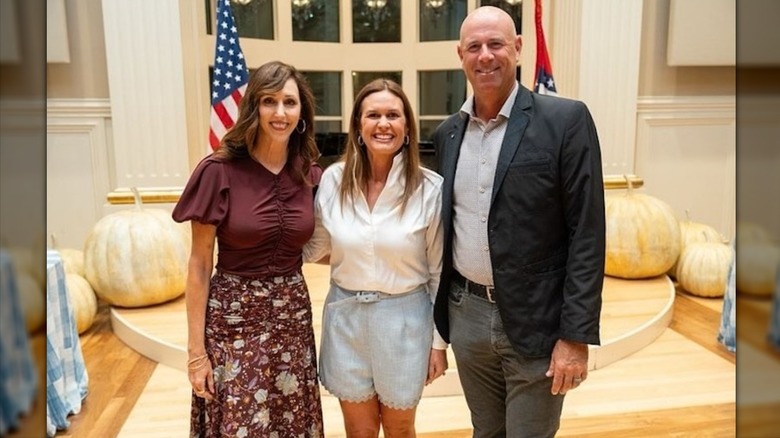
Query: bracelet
(196, 368)
(192, 361)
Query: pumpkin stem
(687, 215)
(136, 197)
(53, 241)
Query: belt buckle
(489, 294)
(367, 297)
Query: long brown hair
(241, 137)
(357, 170)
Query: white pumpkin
(692, 232)
(703, 268)
(136, 258)
(82, 300)
(642, 235)
(32, 300)
(72, 261)
(757, 264)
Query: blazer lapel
(518, 121)
(454, 138)
(449, 164)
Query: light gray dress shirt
(473, 188)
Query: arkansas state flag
(543, 78)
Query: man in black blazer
(523, 215)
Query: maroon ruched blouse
(263, 220)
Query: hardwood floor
(683, 384)
(117, 377)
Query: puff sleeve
(315, 173)
(205, 197)
(318, 245)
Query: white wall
(686, 154)
(687, 162)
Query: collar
(395, 177)
(467, 108)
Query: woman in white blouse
(377, 214)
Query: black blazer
(546, 226)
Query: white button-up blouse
(380, 250)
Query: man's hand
(568, 365)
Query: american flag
(543, 80)
(230, 75)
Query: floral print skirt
(260, 341)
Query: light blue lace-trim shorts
(376, 343)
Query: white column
(595, 51)
(146, 85)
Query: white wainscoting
(78, 170)
(686, 154)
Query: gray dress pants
(508, 395)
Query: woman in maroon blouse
(252, 363)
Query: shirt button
(481, 190)
(485, 248)
(483, 219)
(483, 161)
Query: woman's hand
(201, 377)
(437, 365)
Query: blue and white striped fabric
(18, 379)
(774, 328)
(66, 375)
(727, 333)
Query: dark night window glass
(441, 92)
(361, 78)
(376, 21)
(315, 20)
(512, 7)
(254, 18)
(427, 127)
(326, 86)
(440, 19)
(327, 126)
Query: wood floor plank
(702, 406)
(696, 421)
(163, 410)
(117, 377)
(700, 323)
